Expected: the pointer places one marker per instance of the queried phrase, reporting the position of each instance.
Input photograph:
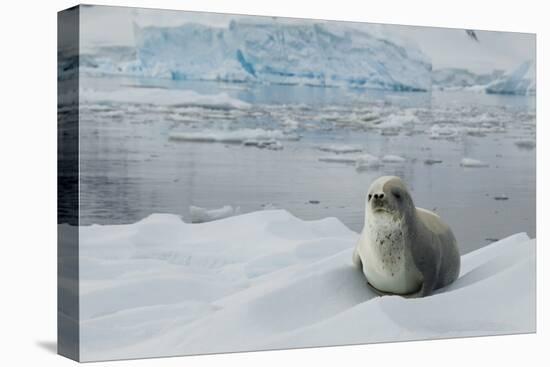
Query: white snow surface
(268, 280)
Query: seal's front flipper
(418, 294)
(356, 259)
(379, 292)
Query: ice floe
(263, 144)
(201, 215)
(470, 162)
(162, 97)
(390, 158)
(251, 136)
(268, 280)
(334, 148)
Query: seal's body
(403, 249)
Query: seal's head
(388, 194)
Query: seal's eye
(370, 196)
(397, 195)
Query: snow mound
(201, 215)
(268, 280)
(521, 80)
(470, 162)
(250, 136)
(273, 51)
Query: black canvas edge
(68, 58)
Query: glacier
(269, 280)
(519, 81)
(304, 53)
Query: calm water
(130, 168)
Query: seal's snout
(378, 200)
(376, 196)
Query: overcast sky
(446, 47)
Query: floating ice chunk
(251, 143)
(340, 149)
(391, 131)
(250, 136)
(398, 121)
(475, 132)
(338, 159)
(201, 215)
(393, 159)
(483, 130)
(263, 144)
(432, 161)
(162, 97)
(525, 144)
(367, 161)
(443, 132)
(361, 161)
(290, 124)
(470, 162)
(269, 206)
(270, 144)
(370, 117)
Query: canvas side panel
(67, 184)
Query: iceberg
(520, 81)
(269, 280)
(462, 79)
(295, 53)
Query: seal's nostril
(381, 196)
